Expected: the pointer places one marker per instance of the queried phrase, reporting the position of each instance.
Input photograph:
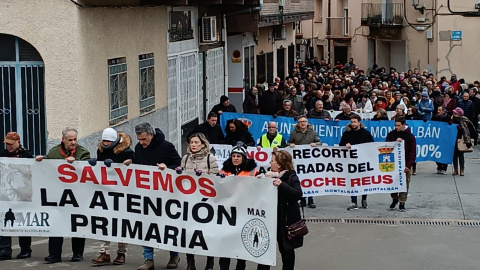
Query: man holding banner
(152, 149)
(355, 133)
(303, 133)
(402, 133)
(69, 150)
(271, 139)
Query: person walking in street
(402, 133)
(441, 116)
(70, 151)
(271, 139)
(289, 192)
(223, 106)
(237, 131)
(250, 104)
(271, 101)
(237, 164)
(212, 131)
(199, 160)
(355, 133)
(152, 149)
(303, 133)
(14, 149)
(287, 110)
(466, 131)
(114, 147)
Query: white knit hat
(109, 134)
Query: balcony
(338, 28)
(382, 15)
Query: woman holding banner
(288, 212)
(199, 160)
(237, 164)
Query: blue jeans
(148, 253)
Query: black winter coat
(22, 153)
(354, 137)
(249, 104)
(239, 136)
(119, 153)
(288, 211)
(220, 107)
(214, 134)
(270, 103)
(158, 151)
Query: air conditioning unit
(209, 29)
(280, 32)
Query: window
(117, 89)
(147, 82)
(180, 26)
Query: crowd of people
(312, 91)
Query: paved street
(434, 200)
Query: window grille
(147, 82)
(117, 89)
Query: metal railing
(338, 27)
(387, 14)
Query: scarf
(445, 102)
(463, 123)
(66, 155)
(275, 174)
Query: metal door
(215, 80)
(22, 98)
(173, 109)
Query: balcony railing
(338, 28)
(382, 15)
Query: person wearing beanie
(425, 107)
(114, 147)
(466, 132)
(14, 149)
(240, 165)
(223, 106)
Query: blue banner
(435, 140)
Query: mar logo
(386, 158)
(28, 219)
(255, 237)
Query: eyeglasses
(272, 127)
(304, 121)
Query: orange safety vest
(242, 173)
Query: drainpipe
(225, 54)
(329, 13)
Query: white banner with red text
(231, 217)
(328, 170)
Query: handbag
(298, 228)
(462, 147)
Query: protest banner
(328, 170)
(233, 217)
(435, 140)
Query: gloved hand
(108, 162)
(295, 118)
(92, 161)
(198, 172)
(179, 170)
(222, 175)
(274, 116)
(469, 145)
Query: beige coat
(198, 161)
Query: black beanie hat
(223, 99)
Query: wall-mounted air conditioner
(209, 29)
